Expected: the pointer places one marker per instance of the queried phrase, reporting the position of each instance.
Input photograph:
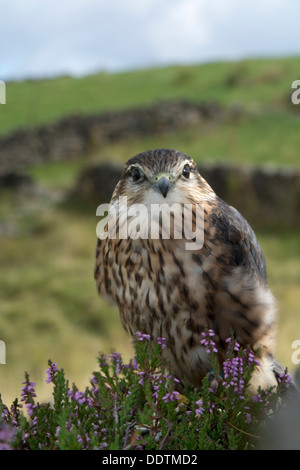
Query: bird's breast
(155, 285)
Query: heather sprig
(139, 405)
(28, 394)
(208, 342)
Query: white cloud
(180, 33)
(78, 36)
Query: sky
(41, 38)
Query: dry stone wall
(75, 136)
(267, 197)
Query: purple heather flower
(83, 440)
(52, 369)
(135, 364)
(252, 359)
(89, 402)
(30, 408)
(257, 398)
(171, 396)
(7, 435)
(233, 343)
(5, 414)
(115, 357)
(261, 397)
(117, 360)
(233, 375)
(102, 361)
(285, 378)
(79, 397)
(142, 336)
(142, 375)
(208, 342)
(28, 389)
(200, 410)
(156, 390)
(35, 421)
(162, 342)
(28, 394)
(94, 382)
(211, 406)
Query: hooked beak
(163, 185)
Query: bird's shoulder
(233, 233)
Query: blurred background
(90, 84)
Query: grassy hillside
(255, 84)
(49, 306)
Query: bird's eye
(136, 174)
(186, 171)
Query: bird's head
(162, 176)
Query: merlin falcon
(166, 290)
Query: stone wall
(75, 136)
(267, 197)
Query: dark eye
(136, 174)
(186, 171)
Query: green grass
(255, 84)
(282, 251)
(272, 139)
(49, 302)
(57, 174)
